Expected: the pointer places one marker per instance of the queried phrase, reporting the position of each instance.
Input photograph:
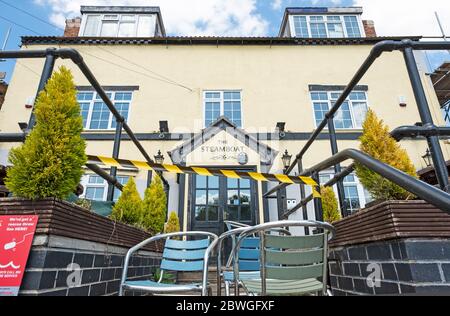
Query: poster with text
(16, 238)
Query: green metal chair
(249, 261)
(290, 265)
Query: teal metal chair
(178, 256)
(290, 265)
(226, 274)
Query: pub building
(238, 103)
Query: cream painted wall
(274, 82)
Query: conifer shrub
(154, 207)
(330, 205)
(49, 163)
(128, 209)
(173, 224)
(377, 142)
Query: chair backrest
(294, 257)
(291, 257)
(184, 255)
(249, 254)
(249, 248)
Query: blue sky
(227, 17)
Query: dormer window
(121, 22)
(126, 25)
(326, 22)
(326, 26)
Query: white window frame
(325, 18)
(85, 183)
(222, 104)
(329, 101)
(104, 185)
(363, 199)
(103, 18)
(360, 188)
(111, 116)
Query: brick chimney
(72, 27)
(369, 28)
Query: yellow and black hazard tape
(208, 172)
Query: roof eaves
(324, 10)
(120, 9)
(206, 40)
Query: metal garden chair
(290, 265)
(249, 253)
(178, 256)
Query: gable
(223, 144)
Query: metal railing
(426, 129)
(51, 55)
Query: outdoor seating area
(264, 260)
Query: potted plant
(377, 142)
(154, 207)
(395, 213)
(128, 209)
(330, 206)
(49, 163)
(173, 224)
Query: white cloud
(182, 17)
(407, 17)
(276, 4)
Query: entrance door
(216, 199)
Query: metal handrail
(419, 131)
(419, 188)
(377, 50)
(144, 243)
(77, 59)
(337, 177)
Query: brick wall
(410, 266)
(72, 27)
(369, 28)
(100, 268)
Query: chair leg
(210, 291)
(227, 288)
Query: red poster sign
(16, 238)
